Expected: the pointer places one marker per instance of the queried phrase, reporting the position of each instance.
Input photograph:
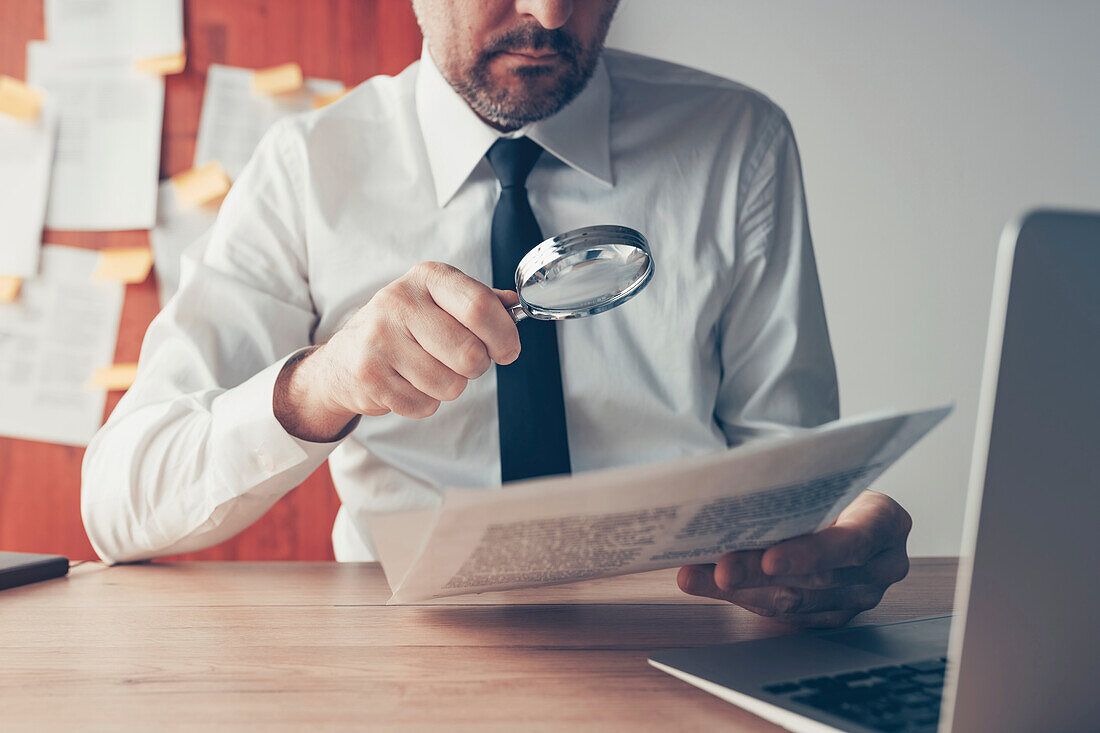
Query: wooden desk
(264, 646)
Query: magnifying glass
(581, 273)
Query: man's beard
(512, 110)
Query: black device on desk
(20, 568)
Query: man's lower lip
(528, 57)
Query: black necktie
(529, 396)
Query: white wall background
(924, 127)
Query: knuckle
(787, 600)
(471, 358)
(898, 569)
(481, 306)
(826, 579)
(869, 599)
(427, 269)
(453, 388)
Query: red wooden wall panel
(349, 40)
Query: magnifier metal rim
(563, 245)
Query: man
(341, 306)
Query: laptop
(1021, 652)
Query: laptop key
(782, 688)
(890, 672)
(927, 680)
(852, 676)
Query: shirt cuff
(257, 448)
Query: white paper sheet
(107, 157)
(178, 227)
(131, 28)
(62, 328)
(234, 119)
(26, 157)
(605, 523)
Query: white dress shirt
(728, 341)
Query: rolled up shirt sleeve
(193, 453)
(778, 371)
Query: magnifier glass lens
(586, 278)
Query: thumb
(508, 298)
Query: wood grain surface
(349, 40)
(269, 646)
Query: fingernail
(782, 566)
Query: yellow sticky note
(9, 288)
(117, 377)
(277, 79)
(172, 63)
(19, 100)
(124, 264)
(201, 185)
(323, 100)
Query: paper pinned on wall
(178, 227)
(281, 79)
(9, 288)
(26, 152)
(115, 378)
(234, 119)
(631, 520)
(161, 65)
(62, 327)
(18, 99)
(107, 159)
(133, 29)
(324, 100)
(201, 185)
(125, 265)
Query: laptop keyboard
(904, 697)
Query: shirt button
(264, 461)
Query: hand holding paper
(605, 523)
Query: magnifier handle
(517, 313)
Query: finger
(426, 373)
(448, 341)
(741, 570)
(698, 580)
(872, 523)
(476, 307)
(396, 393)
(507, 298)
(886, 568)
(782, 601)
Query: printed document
(52, 339)
(133, 29)
(26, 149)
(234, 118)
(107, 158)
(615, 522)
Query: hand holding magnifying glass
(581, 273)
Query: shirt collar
(457, 139)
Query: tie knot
(512, 160)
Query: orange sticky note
(323, 100)
(124, 264)
(117, 377)
(172, 63)
(9, 288)
(201, 185)
(277, 79)
(19, 100)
